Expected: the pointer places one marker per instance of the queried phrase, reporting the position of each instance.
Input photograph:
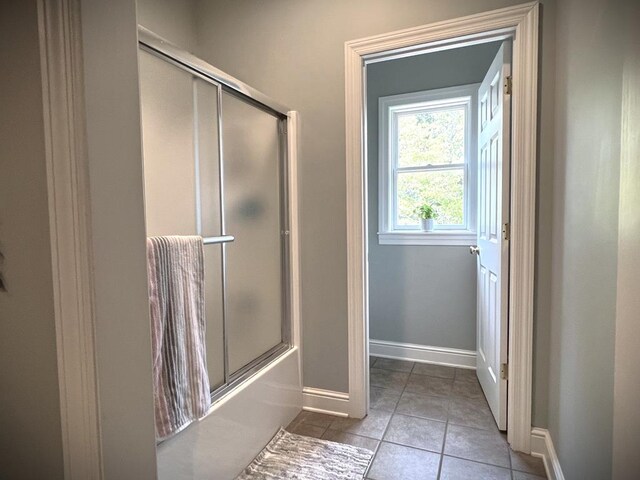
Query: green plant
(426, 211)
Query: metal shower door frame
(157, 46)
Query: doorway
(437, 164)
(519, 23)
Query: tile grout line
(446, 429)
(510, 460)
(455, 377)
(444, 441)
(441, 454)
(390, 418)
(375, 452)
(477, 461)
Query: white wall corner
(542, 447)
(325, 401)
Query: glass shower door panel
(181, 176)
(167, 137)
(213, 297)
(251, 154)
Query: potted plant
(427, 214)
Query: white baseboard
(325, 401)
(542, 447)
(451, 357)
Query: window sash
(395, 113)
(394, 197)
(390, 110)
(430, 106)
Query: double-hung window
(427, 153)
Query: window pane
(443, 189)
(431, 137)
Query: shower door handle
(221, 239)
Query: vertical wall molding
(68, 196)
(521, 21)
(293, 134)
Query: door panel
(252, 215)
(181, 177)
(493, 258)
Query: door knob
(474, 250)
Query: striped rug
(291, 456)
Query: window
(427, 155)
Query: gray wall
(420, 294)
(173, 20)
(294, 52)
(584, 235)
(30, 431)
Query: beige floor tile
(478, 445)
(459, 469)
(416, 432)
(395, 462)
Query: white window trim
(388, 234)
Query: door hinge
(506, 231)
(282, 127)
(507, 85)
(504, 371)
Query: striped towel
(176, 297)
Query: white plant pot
(427, 224)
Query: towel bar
(222, 239)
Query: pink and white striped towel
(176, 297)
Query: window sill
(442, 238)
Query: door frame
(66, 152)
(521, 22)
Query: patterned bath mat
(291, 456)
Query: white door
(492, 243)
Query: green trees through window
(430, 164)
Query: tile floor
(425, 422)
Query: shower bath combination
(216, 166)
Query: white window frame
(388, 110)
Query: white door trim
(69, 223)
(522, 22)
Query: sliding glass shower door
(214, 166)
(252, 206)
